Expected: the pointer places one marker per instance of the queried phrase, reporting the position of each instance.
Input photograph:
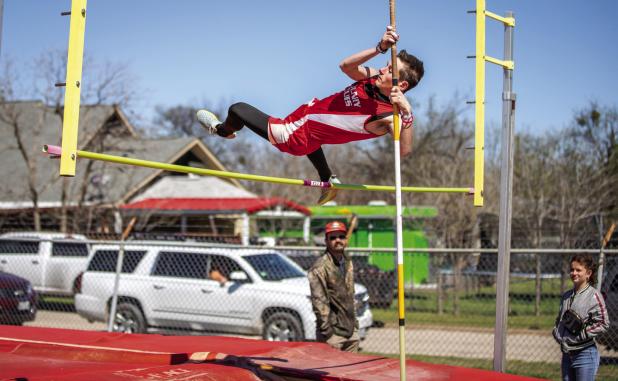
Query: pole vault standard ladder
(479, 101)
(73, 84)
(506, 168)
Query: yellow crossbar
(54, 151)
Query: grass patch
(390, 317)
(550, 371)
(477, 306)
(480, 313)
(56, 299)
(56, 303)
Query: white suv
(52, 262)
(170, 287)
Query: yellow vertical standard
(479, 105)
(72, 92)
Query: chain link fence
(193, 288)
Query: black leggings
(242, 114)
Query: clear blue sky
(277, 54)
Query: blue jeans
(580, 365)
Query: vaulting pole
(400, 279)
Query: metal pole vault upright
(506, 197)
(399, 211)
(506, 169)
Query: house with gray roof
(96, 201)
(33, 195)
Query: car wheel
(129, 319)
(283, 326)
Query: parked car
(170, 287)
(50, 261)
(381, 285)
(17, 300)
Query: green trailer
(376, 228)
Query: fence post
(410, 301)
(440, 293)
(538, 286)
(563, 271)
(456, 285)
(119, 263)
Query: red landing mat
(33, 354)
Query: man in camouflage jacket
(331, 279)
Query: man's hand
(397, 97)
(389, 38)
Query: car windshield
(273, 267)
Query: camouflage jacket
(332, 297)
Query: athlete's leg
(239, 115)
(242, 114)
(318, 160)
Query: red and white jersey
(337, 119)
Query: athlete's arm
(405, 138)
(405, 141)
(353, 67)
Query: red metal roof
(249, 205)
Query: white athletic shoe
(329, 194)
(208, 120)
(211, 123)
